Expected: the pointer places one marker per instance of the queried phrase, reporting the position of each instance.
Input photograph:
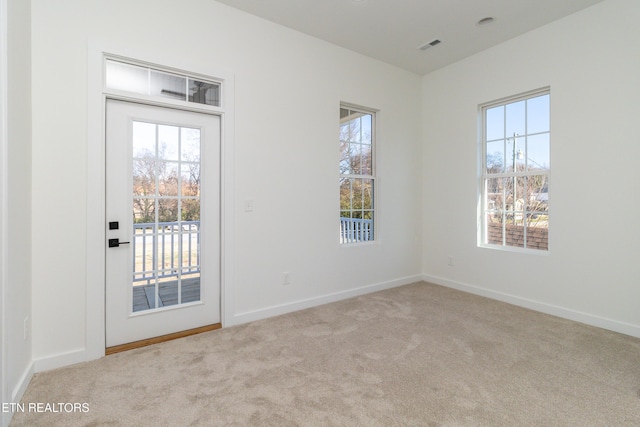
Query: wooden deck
(144, 295)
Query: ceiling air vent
(432, 43)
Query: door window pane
(190, 148)
(144, 140)
(166, 215)
(191, 210)
(168, 142)
(190, 177)
(167, 178)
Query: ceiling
(392, 30)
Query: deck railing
(354, 230)
(167, 262)
(170, 257)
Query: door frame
(97, 96)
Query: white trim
(276, 310)
(95, 309)
(515, 249)
(96, 98)
(61, 359)
(23, 383)
(227, 199)
(4, 384)
(516, 98)
(554, 310)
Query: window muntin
(357, 178)
(515, 176)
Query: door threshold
(163, 338)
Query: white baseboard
(250, 316)
(81, 355)
(18, 391)
(554, 310)
(22, 384)
(59, 360)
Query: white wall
(592, 271)
(288, 87)
(4, 382)
(16, 198)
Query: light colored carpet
(418, 355)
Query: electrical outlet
(248, 205)
(450, 261)
(286, 278)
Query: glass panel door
(163, 209)
(166, 215)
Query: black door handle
(114, 243)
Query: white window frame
(343, 238)
(150, 99)
(484, 175)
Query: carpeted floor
(418, 355)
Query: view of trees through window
(166, 173)
(356, 175)
(516, 172)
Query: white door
(163, 221)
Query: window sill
(515, 249)
(359, 244)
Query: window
(515, 172)
(148, 81)
(357, 175)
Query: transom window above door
(142, 80)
